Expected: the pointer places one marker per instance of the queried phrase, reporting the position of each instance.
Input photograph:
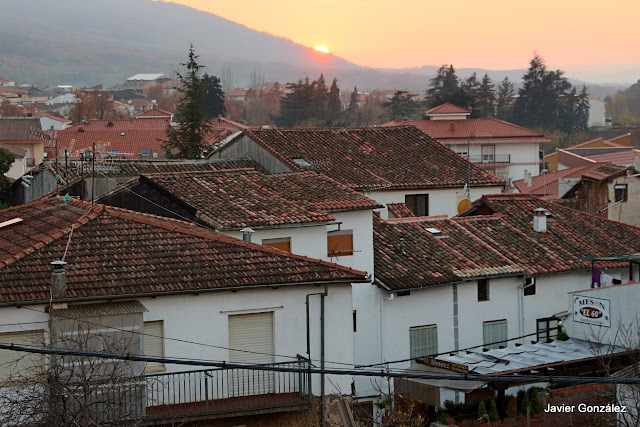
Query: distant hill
(84, 43)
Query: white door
(251, 342)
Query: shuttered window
(340, 243)
(494, 334)
(154, 343)
(282, 244)
(251, 342)
(16, 365)
(423, 340)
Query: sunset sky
(495, 34)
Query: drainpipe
(322, 296)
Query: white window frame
(490, 330)
(423, 340)
(151, 328)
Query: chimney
(527, 178)
(540, 220)
(246, 234)
(220, 117)
(80, 129)
(452, 127)
(58, 279)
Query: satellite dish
(463, 205)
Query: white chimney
(540, 220)
(58, 279)
(527, 178)
(246, 234)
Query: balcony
(490, 158)
(215, 393)
(158, 399)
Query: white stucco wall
(596, 112)
(442, 201)
(625, 211)
(18, 168)
(623, 311)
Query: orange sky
(495, 34)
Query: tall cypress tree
(213, 96)
(505, 93)
(189, 137)
(334, 105)
(486, 96)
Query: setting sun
(322, 49)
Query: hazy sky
(495, 34)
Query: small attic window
(122, 133)
(434, 231)
(301, 162)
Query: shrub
(493, 411)
(524, 404)
(512, 407)
(536, 402)
(482, 411)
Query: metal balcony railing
(490, 158)
(195, 393)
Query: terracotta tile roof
(50, 116)
(3, 80)
(118, 253)
(114, 168)
(448, 108)
(372, 158)
(620, 157)
(240, 198)
(607, 172)
(18, 129)
(400, 210)
(482, 129)
(221, 123)
(5, 90)
(18, 152)
(154, 113)
(547, 185)
(503, 243)
(139, 102)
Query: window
(154, 343)
(546, 329)
(530, 286)
(15, 365)
(483, 290)
(423, 340)
(494, 334)
(418, 203)
(488, 153)
(621, 192)
(355, 321)
(340, 243)
(282, 244)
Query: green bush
(524, 404)
(482, 411)
(493, 411)
(536, 402)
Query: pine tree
(353, 101)
(190, 136)
(334, 105)
(213, 96)
(493, 411)
(505, 94)
(402, 106)
(486, 96)
(444, 87)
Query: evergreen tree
(6, 160)
(444, 87)
(485, 97)
(189, 137)
(353, 101)
(334, 105)
(482, 411)
(493, 411)
(306, 104)
(403, 106)
(319, 101)
(505, 94)
(582, 110)
(213, 96)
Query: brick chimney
(58, 279)
(540, 220)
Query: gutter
(182, 292)
(274, 227)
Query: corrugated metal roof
(101, 309)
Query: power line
(312, 370)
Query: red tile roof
(607, 172)
(5, 90)
(479, 129)
(400, 210)
(118, 253)
(371, 158)
(240, 198)
(50, 116)
(448, 108)
(620, 157)
(155, 113)
(546, 186)
(222, 123)
(407, 256)
(3, 80)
